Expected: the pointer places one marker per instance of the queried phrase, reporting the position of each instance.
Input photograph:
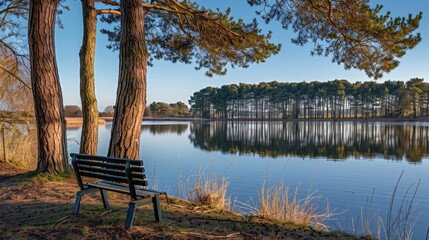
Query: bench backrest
(117, 170)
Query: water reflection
(165, 128)
(333, 140)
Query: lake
(352, 166)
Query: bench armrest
(130, 180)
(76, 172)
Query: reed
(210, 191)
(400, 218)
(19, 147)
(280, 204)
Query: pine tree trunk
(48, 100)
(131, 94)
(89, 138)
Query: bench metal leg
(130, 215)
(157, 208)
(77, 203)
(79, 196)
(104, 199)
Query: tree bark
(131, 93)
(89, 137)
(48, 100)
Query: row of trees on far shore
(155, 109)
(76, 111)
(332, 99)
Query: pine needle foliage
(185, 32)
(352, 32)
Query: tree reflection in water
(333, 140)
(165, 128)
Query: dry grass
(210, 191)
(20, 147)
(280, 204)
(400, 220)
(276, 203)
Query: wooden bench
(117, 175)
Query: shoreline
(77, 122)
(381, 119)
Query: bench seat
(120, 188)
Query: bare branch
(109, 11)
(334, 23)
(15, 76)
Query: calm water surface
(345, 163)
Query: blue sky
(168, 82)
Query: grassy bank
(39, 207)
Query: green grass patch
(44, 177)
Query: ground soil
(40, 207)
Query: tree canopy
(162, 109)
(72, 111)
(185, 32)
(352, 32)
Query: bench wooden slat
(108, 165)
(121, 188)
(104, 176)
(111, 172)
(113, 178)
(106, 159)
(143, 183)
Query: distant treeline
(76, 111)
(155, 109)
(162, 109)
(332, 99)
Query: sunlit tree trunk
(48, 100)
(327, 107)
(131, 93)
(89, 138)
